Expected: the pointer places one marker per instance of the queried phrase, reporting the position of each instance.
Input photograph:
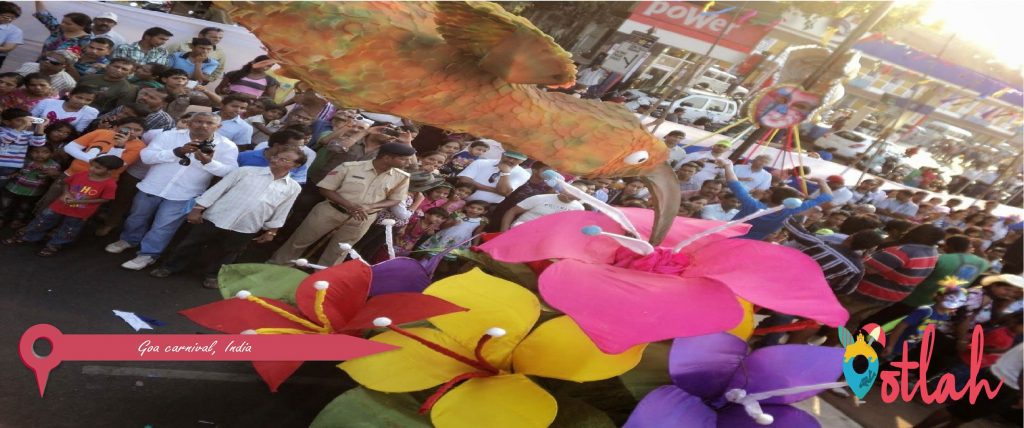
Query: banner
(685, 26)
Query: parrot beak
(664, 187)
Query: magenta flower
(622, 293)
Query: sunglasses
(494, 177)
(54, 61)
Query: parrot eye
(636, 158)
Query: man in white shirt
(719, 150)
(180, 170)
(686, 174)
(232, 126)
(898, 206)
(538, 206)
(235, 210)
(841, 195)
(52, 66)
(864, 193)
(676, 153)
(103, 27)
(754, 177)
(725, 210)
(495, 179)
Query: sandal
(47, 252)
(14, 240)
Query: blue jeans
(152, 223)
(69, 228)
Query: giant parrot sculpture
(463, 66)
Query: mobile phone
(124, 131)
(37, 120)
(192, 84)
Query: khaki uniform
(357, 182)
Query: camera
(124, 131)
(390, 131)
(206, 147)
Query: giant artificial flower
(482, 357)
(331, 301)
(622, 295)
(716, 384)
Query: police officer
(355, 192)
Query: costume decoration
(717, 384)
(331, 301)
(466, 67)
(481, 358)
(622, 296)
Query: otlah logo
(861, 381)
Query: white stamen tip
(345, 247)
(321, 285)
(249, 332)
(764, 419)
(387, 222)
(301, 262)
(381, 322)
(591, 230)
(496, 332)
(792, 203)
(243, 294)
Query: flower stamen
(482, 366)
(751, 405)
(789, 203)
(638, 246)
(245, 295)
(447, 386)
(557, 182)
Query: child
(146, 75)
(266, 122)
(8, 83)
(419, 229)
(460, 160)
(910, 329)
(457, 197)
(436, 197)
(75, 110)
(15, 139)
(458, 229)
(24, 190)
(83, 194)
(449, 148)
(37, 88)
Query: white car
(848, 144)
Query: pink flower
(622, 297)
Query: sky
(995, 24)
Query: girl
(251, 80)
(457, 197)
(58, 135)
(75, 110)
(37, 88)
(449, 148)
(24, 190)
(419, 229)
(631, 190)
(436, 197)
(458, 230)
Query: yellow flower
(490, 349)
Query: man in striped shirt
(892, 273)
(840, 263)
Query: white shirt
(760, 180)
(1009, 366)
(710, 170)
(169, 180)
(82, 118)
(249, 199)
(61, 82)
(715, 212)
(541, 205)
(907, 208)
(485, 172)
(840, 196)
(237, 130)
(675, 156)
(591, 77)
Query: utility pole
(876, 15)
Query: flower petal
(556, 236)
(492, 302)
(349, 286)
(400, 274)
(401, 308)
(234, 316)
(704, 365)
(512, 401)
(787, 366)
(772, 276)
(274, 373)
(671, 407)
(559, 349)
(734, 416)
(682, 228)
(412, 368)
(619, 308)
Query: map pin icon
(41, 365)
(860, 383)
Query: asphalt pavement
(76, 291)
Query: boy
(266, 122)
(460, 160)
(913, 326)
(24, 190)
(766, 225)
(15, 139)
(83, 194)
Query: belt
(340, 208)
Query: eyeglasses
(54, 61)
(281, 159)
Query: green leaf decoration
(652, 371)
(361, 407)
(573, 413)
(516, 272)
(264, 280)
